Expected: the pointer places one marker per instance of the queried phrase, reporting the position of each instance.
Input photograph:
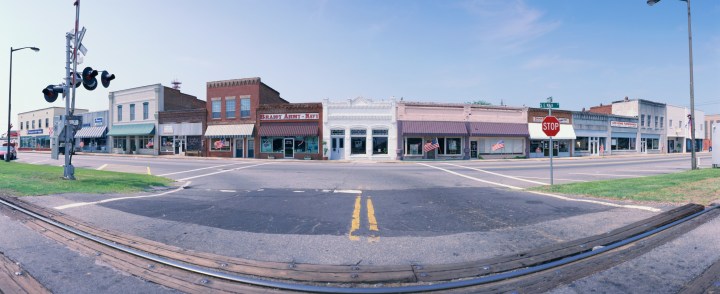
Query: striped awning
(91, 132)
(229, 131)
(288, 129)
(489, 129)
(132, 130)
(437, 128)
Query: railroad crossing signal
(550, 126)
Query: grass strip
(22, 179)
(694, 186)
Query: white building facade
(133, 119)
(36, 127)
(678, 131)
(360, 129)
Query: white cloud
(509, 24)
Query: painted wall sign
(167, 130)
(562, 120)
(289, 116)
(623, 124)
(98, 120)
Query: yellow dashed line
(356, 220)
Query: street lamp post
(7, 155)
(693, 160)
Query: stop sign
(550, 126)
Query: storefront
(133, 138)
(36, 139)
(498, 140)
(233, 140)
(92, 139)
(180, 138)
(360, 129)
(540, 143)
(623, 134)
(450, 138)
(592, 131)
(291, 131)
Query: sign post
(551, 127)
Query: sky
(582, 53)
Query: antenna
(176, 84)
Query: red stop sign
(550, 126)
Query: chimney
(626, 98)
(583, 110)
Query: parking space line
(222, 171)
(148, 169)
(598, 202)
(472, 178)
(102, 167)
(539, 178)
(355, 225)
(36, 162)
(497, 174)
(197, 169)
(61, 207)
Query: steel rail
(348, 290)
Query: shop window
(441, 149)
(229, 107)
(454, 146)
(216, 107)
(622, 144)
(166, 144)
(146, 142)
(582, 144)
(380, 141)
(653, 144)
(245, 107)
(300, 145)
(358, 141)
(502, 146)
(219, 144)
(119, 142)
(413, 146)
(312, 144)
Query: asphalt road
(382, 199)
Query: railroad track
(199, 272)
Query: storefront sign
(35, 132)
(167, 130)
(539, 119)
(98, 121)
(623, 124)
(289, 116)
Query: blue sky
(580, 52)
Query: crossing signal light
(52, 92)
(89, 79)
(105, 78)
(78, 80)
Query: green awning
(132, 130)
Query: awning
(567, 132)
(91, 132)
(132, 130)
(288, 129)
(229, 131)
(436, 128)
(488, 129)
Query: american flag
(499, 145)
(431, 146)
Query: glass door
(643, 145)
(338, 148)
(473, 149)
(239, 143)
(251, 148)
(289, 148)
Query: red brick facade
(292, 108)
(535, 113)
(604, 109)
(252, 88)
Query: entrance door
(180, 145)
(473, 149)
(289, 148)
(338, 148)
(251, 148)
(239, 148)
(594, 150)
(643, 145)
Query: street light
(7, 155)
(693, 160)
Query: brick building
(181, 131)
(540, 143)
(290, 130)
(232, 115)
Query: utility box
(716, 145)
(57, 139)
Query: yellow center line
(372, 222)
(371, 216)
(356, 220)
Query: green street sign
(549, 105)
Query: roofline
(19, 113)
